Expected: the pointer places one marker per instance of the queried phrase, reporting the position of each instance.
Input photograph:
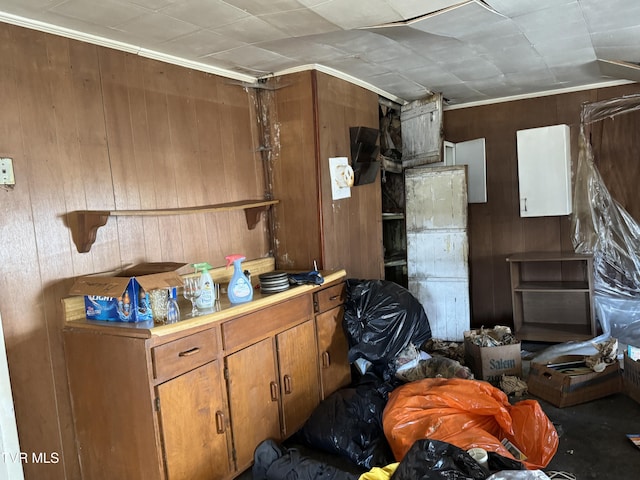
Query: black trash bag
(498, 463)
(348, 423)
(381, 318)
(275, 462)
(436, 460)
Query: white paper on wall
(341, 177)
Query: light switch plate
(6, 172)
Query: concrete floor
(593, 442)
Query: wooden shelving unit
(552, 296)
(395, 247)
(84, 224)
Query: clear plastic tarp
(603, 228)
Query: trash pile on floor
(412, 412)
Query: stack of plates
(273, 282)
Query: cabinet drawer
(184, 354)
(254, 326)
(329, 298)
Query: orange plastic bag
(468, 414)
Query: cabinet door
(193, 420)
(544, 171)
(438, 248)
(253, 398)
(298, 365)
(333, 350)
(422, 131)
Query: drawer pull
(287, 385)
(220, 423)
(274, 391)
(188, 353)
(326, 360)
(334, 298)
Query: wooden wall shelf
(84, 224)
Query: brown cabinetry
(552, 296)
(333, 348)
(311, 114)
(273, 388)
(193, 419)
(193, 400)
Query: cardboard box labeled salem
(124, 297)
(490, 363)
(566, 381)
(631, 377)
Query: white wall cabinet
(544, 171)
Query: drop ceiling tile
(156, 28)
(109, 13)
(205, 13)
(253, 59)
(498, 32)
(28, 5)
(355, 13)
(354, 66)
(567, 74)
(618, 14)
(515, 9)
(265, 7)
(154, 5)
(304, 50)
(459, 21)
(630, 53)
(300, 23)
(515, 58)
(564, 20)
(250, 30)
(375, 48)
(472, 69)
(393, 56)
(434, 74)
(414, 8)
(199, 44)
(629, 36)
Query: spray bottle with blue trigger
(240, 289)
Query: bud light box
(124, 297)
(490, 363)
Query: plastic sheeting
(603, 228)
(468, 414)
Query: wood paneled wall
(92, 128)
(495, 228)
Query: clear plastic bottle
(240, 289)
(206, 300)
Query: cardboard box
(490, 363)
(565, 381)
(124, 297)
(631, 377)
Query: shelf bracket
(84, 227)
(253, 216)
